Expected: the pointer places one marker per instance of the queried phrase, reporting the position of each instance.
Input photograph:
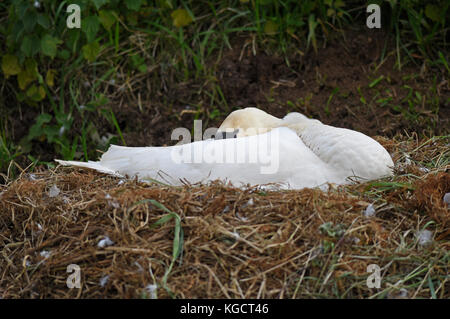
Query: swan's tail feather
(123, 158)
(127, 161)
(92, 165)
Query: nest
(132, 240)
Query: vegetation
(59, 74)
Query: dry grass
(235, 243)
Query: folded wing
(278, 156)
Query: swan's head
(298, 122)
(296, 117)
(248, 121)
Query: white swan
(295, 152)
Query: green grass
(177, 240)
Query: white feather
(349, 152)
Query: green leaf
(312, 24)
(142, 68)
(106, 18)
(376, 81)
(24, 78)
(431, 286)
(26, 46)
(43, 21)
(17, 30)
(30, 45)
(63, 54)
(99, 3)
(21, 9)
(73, 41)
(36, 93)
(181, 18)
(35, 129)
(132, 18)
(433, 12)
(134, 5)
(50, 77)
(31, 66)
(49, 45)
(29, 20)
(136, 60)
(51, 132)
(10, 65)
(91, 51)
(90, 26)
(28, 74)
(339, 4)
(270, 28)
(100, 100)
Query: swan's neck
(301, 125)
(248, 122)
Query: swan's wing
(278, 156)
(348, 151)
(275, 157)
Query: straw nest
(133, 240)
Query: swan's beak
(221, 135)
(241, 132)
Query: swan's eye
(220, 136)
(225, 135)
